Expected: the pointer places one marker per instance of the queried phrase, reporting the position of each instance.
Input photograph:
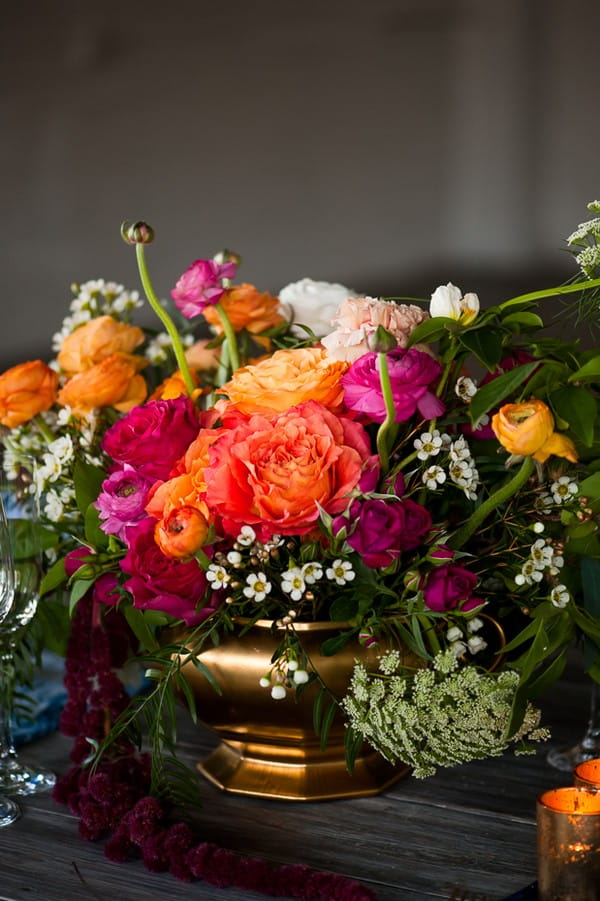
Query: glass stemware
(16, 776)
(9, 811)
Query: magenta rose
(450, 586)
(384, 529)
(122, 500)
(411, 374)
(200, 286)
(106, 590)
(157, 582)
(152, 437)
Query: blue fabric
(48, 697)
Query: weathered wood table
(471, 828)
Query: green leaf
(344, 608)
(490, 395)
(55, 622)
(139, 626)
(87, 480)
(335, 644)
(353, 742)
(318, 710)
(577, 407)
(431, 330)
(547, 676)
(590, 487)
(55, 576)
(486, 345)
(326, 724)
(528, 320)
(93, 532)
(590, 370)
(80, 587)
(206, 672)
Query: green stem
(494, 500)
(234, 358)
(551, 292)
(387, 425)
(44, 428)
(165, 319)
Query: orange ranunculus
(288, 378)
(95, 341)
(246, 308)
(277, 472)
(181, 533)
(527, 429)
(26, 390)
(174, 386)
(202, 358)
(112, 383)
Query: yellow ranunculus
(527, 429)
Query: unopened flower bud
(412, 580)
(292, 665)
(227, 256)
(264, 682)
(137, 233)
(300, 676)
(278, 692)
(381, 341)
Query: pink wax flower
(383, 529)
(152, 437)
(411, 373)
(200, 286)
(450, 586)
(157, 582)
(122, 501)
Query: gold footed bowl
(269, 748)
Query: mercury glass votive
(587, 775)
(568, 836)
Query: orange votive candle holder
(568, 834)
(587, 775)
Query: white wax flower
(313, 304)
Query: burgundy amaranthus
(113, 802)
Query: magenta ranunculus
(200, 286)
(384, 529)
(157, 582)
(450, 586)
(411, 373)
(152, 437)
(122, 500)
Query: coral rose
(95, 341)
(246, 308)
(527, 429)
(151, 438)
(275, 472)
(112, 383)
(285, 379)
(25, 391)
(359, 318)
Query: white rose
(448, 301)
(313, 304)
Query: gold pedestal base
(255, 770)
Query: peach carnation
(358, 319)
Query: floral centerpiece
(423, 474)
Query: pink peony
(122, 500)
(359, 318)
(157, 582)
(411, 373)
(201, 286)
(450, 586)
(152, 437)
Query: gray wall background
(388, 144)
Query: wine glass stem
(591, 739)
(7, 749)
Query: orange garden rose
(527, 429)
(182, 532)
(95, 341)
(26, 390)
(247, 308)
(276, 472)
(112, 383)
(287, 378)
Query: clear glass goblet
(21, 507)
(9, 811)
